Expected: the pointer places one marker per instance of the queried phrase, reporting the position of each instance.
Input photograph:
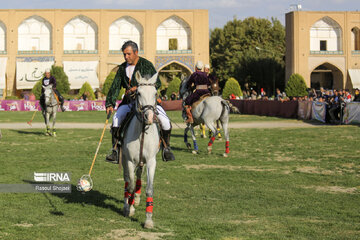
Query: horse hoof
(137, 200)
(132, 211)
(54, 134)
(149, 224)
(225, 155)
(126, 211)
(209, 150)
(194, 152)
(188, 145)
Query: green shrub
(107, 84)
(296, 86)
(231, 87)
(36, 90)
(87, 89)
(11, 98)
(174, 86)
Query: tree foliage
(87, 89)
(231, 87)
(233, 52)
(174, 86)
(36, 90)
(296, 86)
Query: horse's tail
(226, 107)
(232, 108)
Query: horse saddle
(202, 98)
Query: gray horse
(51, 107)
(141, 131)
(207, 112)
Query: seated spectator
(173, 96)
(357, 95)
(253, 95)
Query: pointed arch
(80, 34)
(35, 34)
(2, 37)
(124, 29)
(355, 39)
(173, 34)
(328, 76)
(326, 35)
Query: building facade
(91, 40)
(324, 47)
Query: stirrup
(167, 155)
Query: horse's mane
(183, 92)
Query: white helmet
(199, 65)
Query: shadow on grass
(93, 197)
(29, 132)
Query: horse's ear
(153, 79)
(138, 76)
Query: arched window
(124, 29)
(2, 37)
(80, 34)
(326, 35)
(34, 34)
(355, 38)
(173, 34)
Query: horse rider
(213, 81)
(125, 77)
(201, 85)
(46, 81)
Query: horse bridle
(142, 109)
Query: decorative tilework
(35, 59)
(161, 61)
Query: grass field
(276, 184)
(99, 117)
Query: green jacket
(145, 67)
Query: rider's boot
(167, 155)
(113, 157)
(61, 99)
(189, 114)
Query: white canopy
(355, 77)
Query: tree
(296, 86)
(174, 86)
(87, 89)
(107, 84)
(233, 52)
(62, 82)
(231, 87)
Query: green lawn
(99, 117)
(276, 184)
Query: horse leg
(214, 131)
(196, 148)
(202, 131)
(138, 186)
(53, 125)
(150, 166)
(188, 145)
(47, 120)
(126, 180)
(218, 128)
(129, 209)
(224, 119)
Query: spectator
(32, 97)
(253, 95)
(357, 95)
(173, 96)
(278, 95)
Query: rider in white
(125, 77)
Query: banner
(3, 61)
(319, 111)
(29, 70)
(304, 110)
(352, 113)
(81, 72)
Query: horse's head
(146, 97)
(49, 95)
(183, 91)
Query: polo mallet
(32, 118)
(85, 183)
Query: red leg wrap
(211, 141)
(138, 186)
(227, 150)
(149, 204)
(126, 194)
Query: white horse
(140, 146)
(207, 112)
(50, 110)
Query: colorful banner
(304, 110)
(319, 111)
(30, 70)
(81, 72)
(352, 113)
(3, 61)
